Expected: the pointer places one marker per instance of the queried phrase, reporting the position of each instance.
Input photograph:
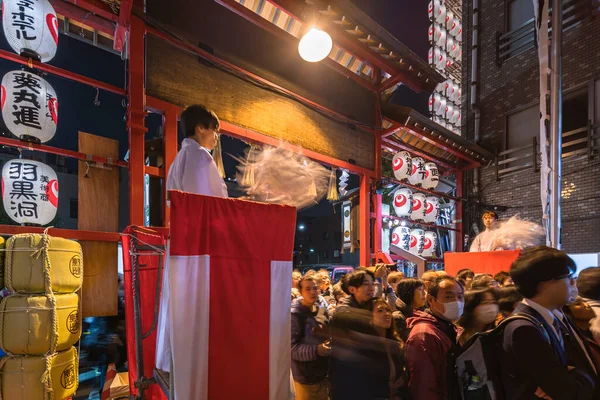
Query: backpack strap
(526, 317)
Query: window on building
(522, 126)
(575, 119)
(518, 12)
(336, 253)
(73, 209)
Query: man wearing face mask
(431, 346)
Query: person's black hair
(540, 264)
(588, 283)
(355, 279)
(465, 274)
(492, 213)
(434, 286)
(501, 277)
(507, 297)
(473, 298)
(480, 281)
(196, 115)
(405, 291)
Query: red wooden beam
(459, 212)
(392, 81)
(197, 51)
(123, 25)
(61, 72)
(154, 172)
(439, 143)
(72, 234)
(256, 19)
(61, 152)
(78, 14)
(397, 146)
(391, 131)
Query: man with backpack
(431, 346)
(541, 356)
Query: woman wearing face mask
(481, 310)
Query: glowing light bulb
(315, 45)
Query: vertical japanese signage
(29, 192)
(29, 106)
(31, 28)
(346, 225)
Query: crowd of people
(379, 335)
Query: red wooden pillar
(136, 113)
(170, 119)
(377, 228)
(365, 221)
(459, 212)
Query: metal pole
(556, 125)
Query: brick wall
(503, 89)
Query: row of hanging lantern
(30, 111)
(445, 36)
(416, 241)
(415, 170)
(416, 206)
(445, 103)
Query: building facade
(508, 101)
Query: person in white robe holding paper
(194, 170)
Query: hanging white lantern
(402, 165)
(432, 178)
(31, 28)
(440, 14)
(459, 32)
(433, 6)
(29, 106)
(449, 110)
(453, 27)
(417, 238)
(441, 59)
(403, 200)
(429, 244)
(29, 192)
(459, 95)
(441, 111)
(418, 171)
(431, 32)
(449, 19)
(431, 56)
(401, 237)
(418, 207)
(432, 209)
(449, 45)
(441, 36)
(455, 116)
(455, 91)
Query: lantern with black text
(432, 209)
(402, 165)
(417, 238)
(29, 106)
(403, 202)
(401, 237)
(418, 171)
(418, 207)
(29, 192)
(431, 177)
(429, 244)
(31, 28)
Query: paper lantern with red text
(31, 28)
(29, 192)
(417, 239)
(29, 106)
(429, 244)
(401, 237)
(432, 209)
(402, 165)
(418, 207)
(403, 199)
(418, 171)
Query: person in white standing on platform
(483, 241)
(194, 171)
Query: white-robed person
(194, 171)
(484, 241)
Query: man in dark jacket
(544, 359)
(310, 354)
(431, 346)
